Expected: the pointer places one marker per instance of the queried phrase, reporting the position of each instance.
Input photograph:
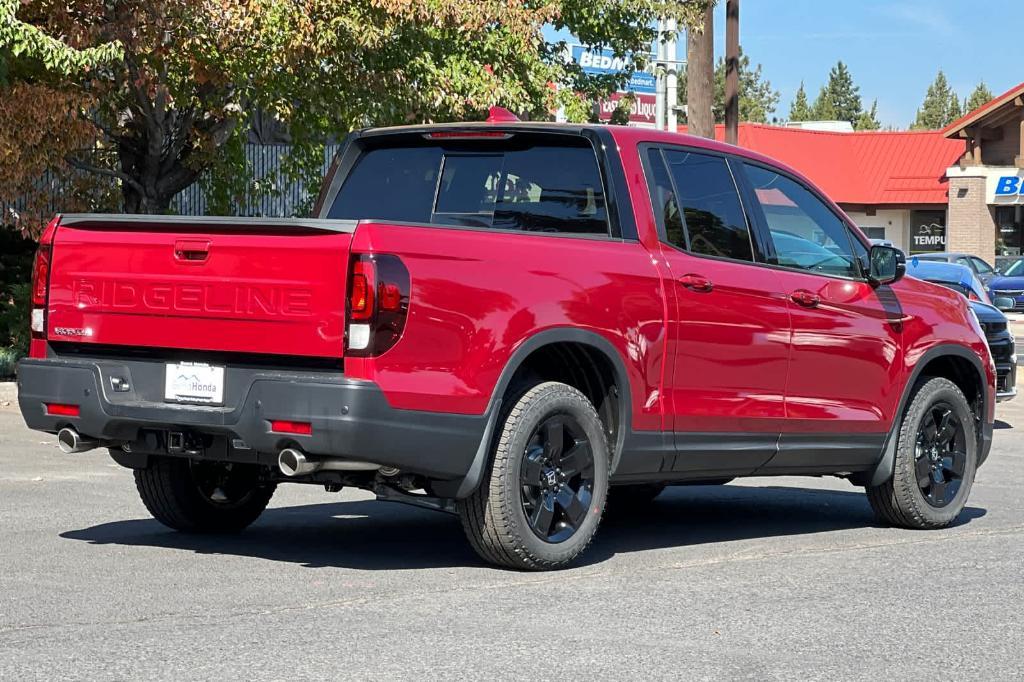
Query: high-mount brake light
(378, 304)
(466, 134)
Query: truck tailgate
(245, 285)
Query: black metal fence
(284, 199)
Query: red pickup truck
(514, 322)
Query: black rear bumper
(349, 418)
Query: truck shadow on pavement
(368, 535)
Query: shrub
(15, 295)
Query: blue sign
(1009, 185)
(600, 62)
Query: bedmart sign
(1006, 189)
(1003, 186)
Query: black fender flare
(885, 467)
(544, 338)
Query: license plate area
(194, 382)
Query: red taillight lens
(285, 426)
(360, 293)
(378, 303)
(971, 296)
(41, 274)
(62, 410)
(390, 297)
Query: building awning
(878, 168)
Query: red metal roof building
(888, 182)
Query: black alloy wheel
(557, 478)
(223, 484)
(940, 455)
(203, 496)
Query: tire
(534, 443)
(202, 497)
(932, 477)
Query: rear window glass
(512, 185)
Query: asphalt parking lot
(769, 579)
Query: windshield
(1016, 269)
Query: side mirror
(887, 264)
(1004, 303)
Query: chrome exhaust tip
(71, 442)
(293, 462)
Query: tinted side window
(390, 184)
(663, 200)
(806, 233)
(712, 213)
(517, 186)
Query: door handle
(191, 250)
(805, 298)
(696, 282)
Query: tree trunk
(700, 73)
(153, 182)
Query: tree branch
(99, 170)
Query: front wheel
(202, 497)
(542, 499)
(936, 459)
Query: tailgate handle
(191, 251)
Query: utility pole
(671, 85)
(732, 71)
(659, 71)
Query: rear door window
(698, 202)
(524, 184)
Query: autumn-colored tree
(39, 124)
(177, 102)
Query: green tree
(981, 95)
(940, 107)
(177, 102)
(868, 119)
(758, 100)
(839, 99)
(800, 109)
(824, 108)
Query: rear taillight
(971, 296)
(40, 288)
(378, 304)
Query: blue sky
(893, 48)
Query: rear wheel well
(582, 366)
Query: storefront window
(1010, 230)
(927, 231)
